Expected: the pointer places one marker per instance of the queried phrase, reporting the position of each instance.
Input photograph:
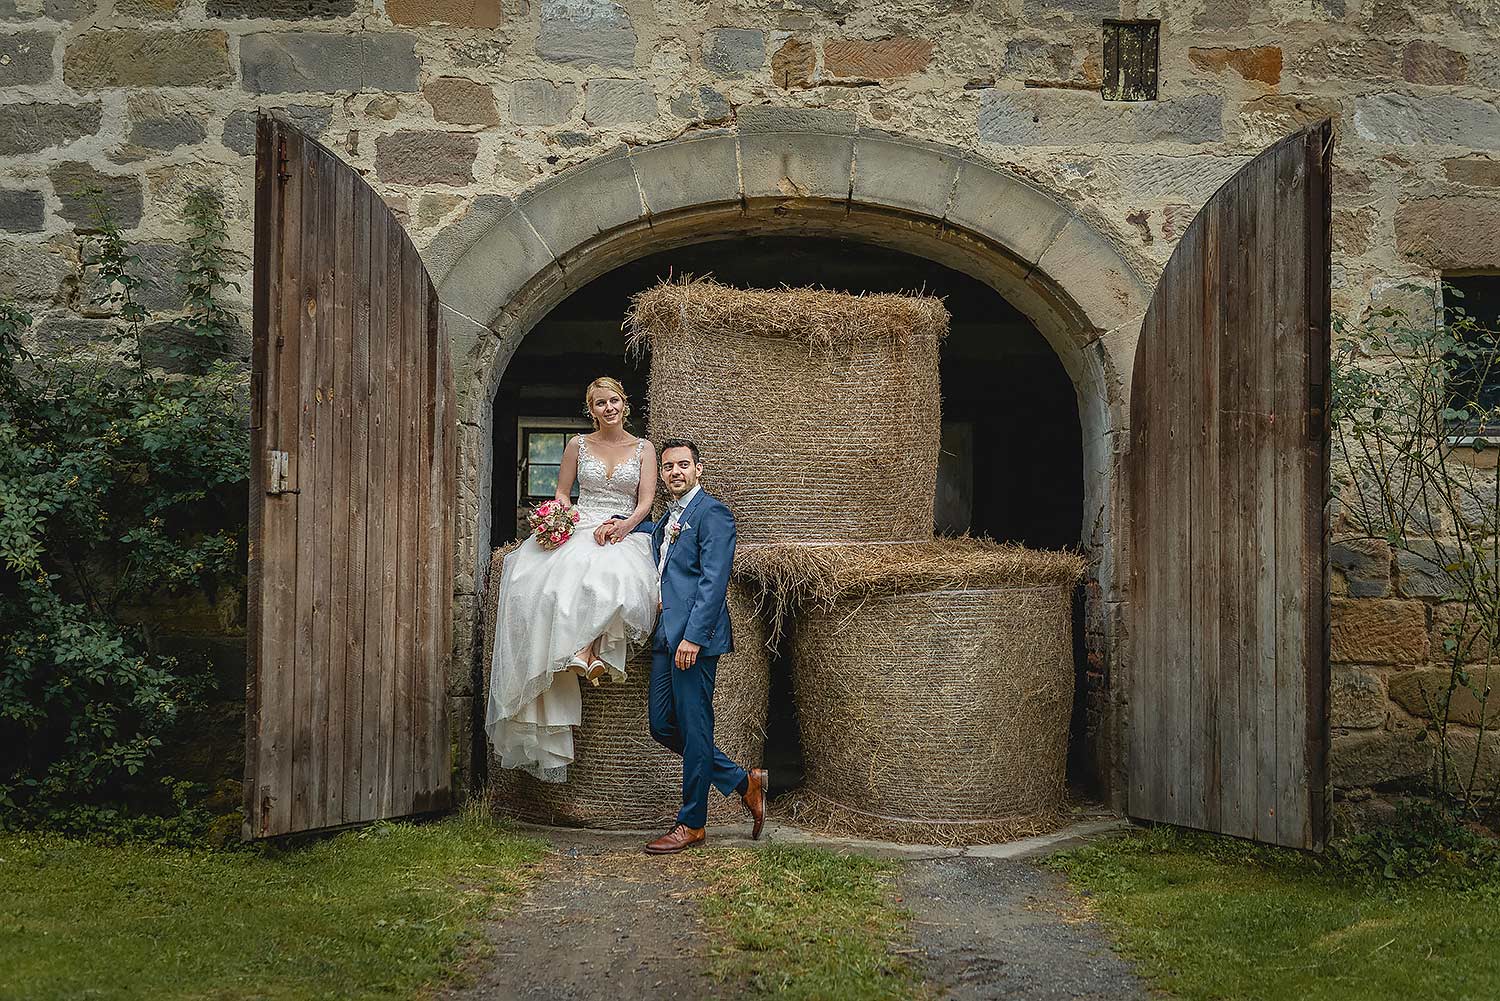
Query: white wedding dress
(553, 604)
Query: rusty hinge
(282, 173)
(278, 467)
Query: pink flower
(544, 509)
(574, 516)
(557, 537)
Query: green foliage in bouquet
(119, 485)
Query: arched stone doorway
(508, 263)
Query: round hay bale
(933, 685)
(818, 413)
(621, 778)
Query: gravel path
(988, 929)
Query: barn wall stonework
(457, 111)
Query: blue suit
(695, 607)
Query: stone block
(461, 13)
(882, 59)
(734, 52)
(542, 102)
(1422, 570)
(1377, 631)
(1081, 8)
(461, 101)
(1471, 636)
(1365, 565)
(148, 10)
(119, 194)
(31, 128)
(433, 206)
(1261, 63)
(426, 157)
(282, 10)
(133, 57)
(290, 61)
(1369, 58)
(586, 31)
(32, 274)
(794, 64)
(592, 198)
(1454, 231)
(66, 334)
(1432, 119)
(1378, 758)
(157, 267)
(239, 127)
(22, 211)
(467, 643)
(455, 239)
(26, 58)
(1476, 172)
(1423, 693)
(903, 174)
(699, 169)
(1357, 699)
(157, 124)
(1099, 280)
(761, 119)
(1072, 118)
(461, 734)
(609, 102)
(1430, 63)
(1007, 210)
(796, 164)
(501, 258)
(1039, 58)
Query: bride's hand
(604, 533)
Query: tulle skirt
(553, 604)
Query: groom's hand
(687, 654)
(605, 532)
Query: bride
(568, 613)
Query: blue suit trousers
(682, 721)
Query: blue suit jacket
(695, 582)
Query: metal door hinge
(282, 173)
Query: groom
(694, 548)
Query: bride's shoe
(597, 670)
(579, 666)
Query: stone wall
(442, 101)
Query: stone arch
(508, 262)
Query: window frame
(527, 426)
(1461, 435)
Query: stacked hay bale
(621, 778)
(933, 683)
(819, 413)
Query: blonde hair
(613, 385)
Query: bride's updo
(612, 385)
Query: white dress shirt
(675, 512)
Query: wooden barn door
(1228, 482)
(351, 505)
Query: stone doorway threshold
(1091, 822)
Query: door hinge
(278, 468)
(282, 174)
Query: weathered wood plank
(449, 481)
(395, 368)
(340, 384)
(265, 299)
(1204, 523)
(357, 401)
(408, 488)
(424, 649)
(1318, 499)
(1174, 550)
(377, 669)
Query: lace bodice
(603, 494)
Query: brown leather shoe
(680, 837)
(755, 798)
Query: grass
(1211, 917)
(804, 923)
(374, 913)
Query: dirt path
(605, 923)
(988, 929)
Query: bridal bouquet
(552, 523)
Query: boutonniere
(676, 530)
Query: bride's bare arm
(645, 494)
(567, 472)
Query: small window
(542, 446)
(1471, 307)
(1130, 60)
